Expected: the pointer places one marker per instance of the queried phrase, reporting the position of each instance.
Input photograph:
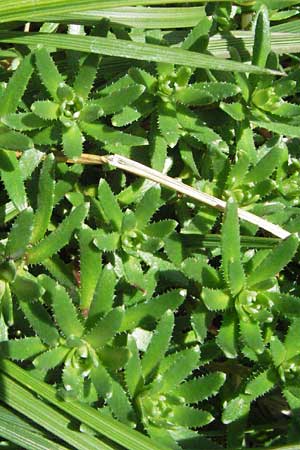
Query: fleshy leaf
(16, 87)
(40, 321)
(59, 238)
(231, 252)
(215, 299)
(48, 72)
(104, 292)
(226, 338)
(133, 370)
(51, 359)
(205, 93)
(86, 75)
(90, 267)
(109, 204)
(20, 234)
(106, 328)
(274, 262)
(153, 308)
(158, 344)
(191, 417)
(45, 200)
(202, 388)
(45, 109)
(21, 349)
(72, 141)
(64, 310)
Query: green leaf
(13, 140)
(278, 351)
(265, 166)
(26, 287)
(205, 93)
(179, 370)
(111, 209)
(45, 109)
(168, 123)
(160, 229)
(147, 207)
(21, 349)
(112, 137)
(86, 76)
(226, 338)
(231, 253)
(48, 72)
(104, 292)
(262, 41)
(59, 238)
(102, 381)
(72, 141)
(45, 200)
(261, 384)
(119, 47)
(64, 310)
(251, 335)
(215, 299)
(7, 306)
(274, 262)
(133, 370)
(51, 359)
(158, 344)
(106, 328)
(291, 338)
(16, 87)
(286, 304)
(199, 389)
(153, 308)
(117, 100)
(90, 267)
(186, 416)
(199, 270)
(107, 242)
(237, 408)
(120, 405)
(40, 321)
(20, 234)
(23, 121)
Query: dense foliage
(137, 316)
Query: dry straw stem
(123, 163)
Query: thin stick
(123, 163)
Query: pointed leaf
(205, 93)
(45, 109)
(13, 140)
(104, 292)
(45, 199)
(265, 166)
(16, 87)
(231, 252)
(12, 179)
(51, 359)
(186, 416)
(261, 384)
(147, 207)
(153, 308)
(106, 328)
(274, 262)
(20, 234)
(120, 405)
(59, 238)
(109, 204)
(102, 381)
(117, 100)
(112, 137)
(24, 121)
(215, 299)
(226, 338)
(168, 123)
(158, 344)
(133, 370)
(292, 339)
(202, 388)
(86, 76)
(160, 229)
(48, 72)
(237, 408)
(40, 321)
(21, 349)
(72, 141)
(251, 335)
(64, 310)
(180, 369)
(90, 267)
